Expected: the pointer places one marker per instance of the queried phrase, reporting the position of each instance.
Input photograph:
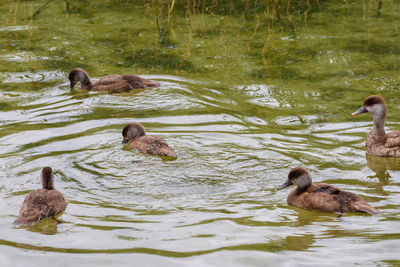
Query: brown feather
(331, 199)
(149, 144)
(39, 204)
(110, 83)
(378, 143)
(152, 144)
(42, 203)
(322, 197)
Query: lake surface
(249, 90)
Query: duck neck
(379, 123)
(47, 182)
(302, 182)
(85, 81)
(301, 189)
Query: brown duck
(110, 83)
(42, 203)
(378, 142)
(149, 144)
(322, 197)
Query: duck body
(322, 197)
(154, 145)
(378, 142)
(110, 83)
(42, 203)
(39, 204)
(383, 145)
(326, 197)
(134, 134)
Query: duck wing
(112, 83)
(33, 208)
(325, 188)
(122, 83)
(56, 202)
(109, 79)
(393, 139)
(138, 82)
(152, 144)
(117, 86)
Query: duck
(322, 197)
(134, 134)
(42, 203)
(110, 83)
(379, 143)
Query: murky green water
(249, 89)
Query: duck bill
(285, 184)
(124, 141)
(362, 110)
(72, 85)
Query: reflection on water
(248, 91)
(46, 226)
(380, 165)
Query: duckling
(42, 203)
(322, 197)
(110, 83)
(378, 143)
(149, 144)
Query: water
(248, 91)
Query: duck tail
(367, 209)
(167, 151)
(25, 221)
(152, 84)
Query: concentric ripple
(245, 95)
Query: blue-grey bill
(360, 111)
(285, 184)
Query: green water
(249, 90)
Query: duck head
(47, 178)
(131, 131)
(78, 75)
(298, 176)
(375, 105)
